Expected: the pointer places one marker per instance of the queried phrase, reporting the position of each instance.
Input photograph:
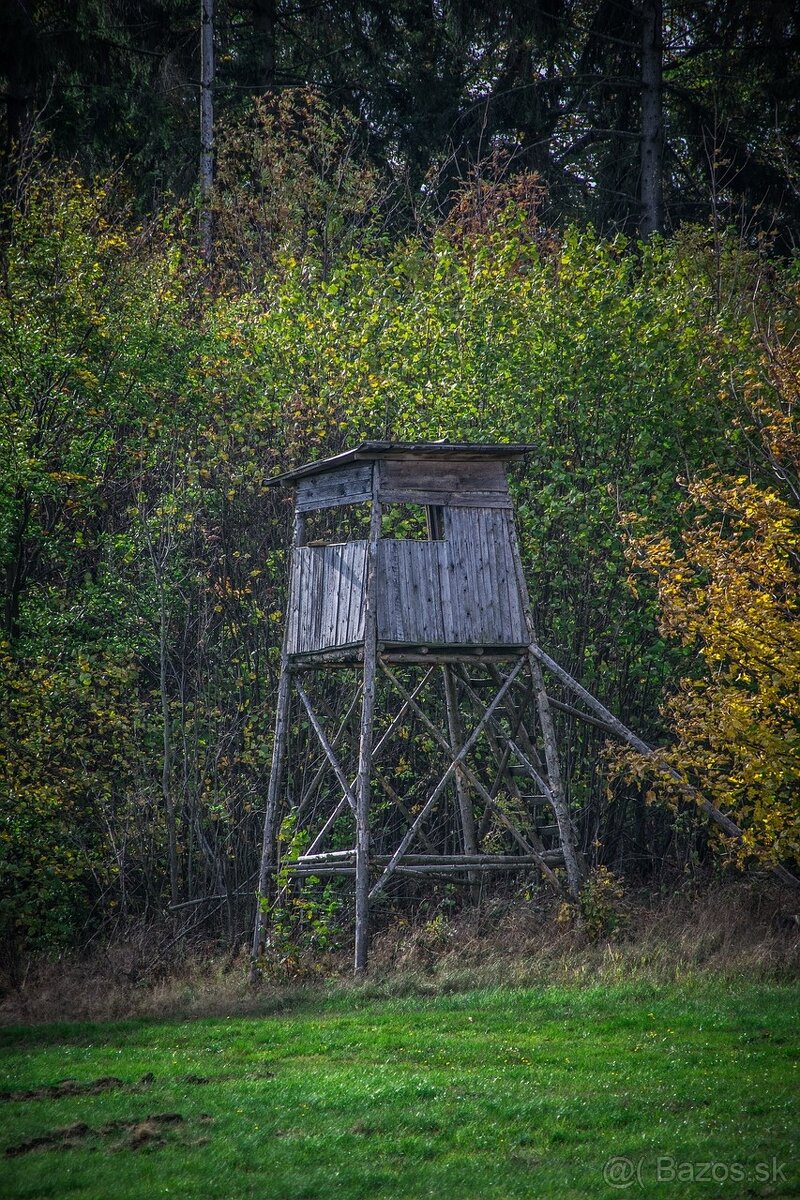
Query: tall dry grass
(740, 930)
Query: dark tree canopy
(437, 87)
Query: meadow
(558, 1092)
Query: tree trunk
(166, 760)
(651, 193)
(264, 20)
(206, 123)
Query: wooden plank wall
(409, 592)
(327, 597)
(461, 591)
(345, 485)
(452, 483)
(480, 598)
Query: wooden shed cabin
(406, 589)
(408, 634)
(445, 577)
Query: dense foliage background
(354, 292)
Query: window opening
(411, 523)
(341, 523)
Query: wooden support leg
(615, 726)
(362, 815)
(365, 739)
(566, 829)
(270, 817)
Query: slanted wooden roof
(369, 451)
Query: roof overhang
(370, 451)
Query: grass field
(492, 1093)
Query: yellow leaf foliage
(731, 593)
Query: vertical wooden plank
(456, 732)
(508, 626)
(345, 594)
(445, 599)
(433, 595)
(484, 579)
(497, 607)
(464, 577)
(495, 533)
(362, 592)
(518, 600)
(410, 602)
(303, 632)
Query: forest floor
(563, 1091)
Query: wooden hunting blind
(408, 627)
(414, 736)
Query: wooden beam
(615, 726)
(326, 746)
(408, 837)
(365, 740)
(487, 798)
(319, 774)
(342, 805)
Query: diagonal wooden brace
(475, 782)
(342, 805)
(409, 835)
(326, 746)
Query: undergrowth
(733, 931)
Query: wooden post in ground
(614, 725)
(365, 739)
(566, 829)
(268, 843)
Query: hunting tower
(408, 634)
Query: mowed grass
(492, 1093)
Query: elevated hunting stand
(409, 634)
(428, 615)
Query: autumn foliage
(730, 592)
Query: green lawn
(499, 1093)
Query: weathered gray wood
(434, 453)
(345, 485)
(446, 499)
(270, 819)
(282, 709)
(481, 605)
(328, 586)
(456, 733)
(311, 789)
(528, 846)
(724, 822)
(550, 858)
(365, 739)
(409, 596)
(409, 835)
(328, 750)
(405, 480)
(556, 786)
(377, 750)
(347, 858)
